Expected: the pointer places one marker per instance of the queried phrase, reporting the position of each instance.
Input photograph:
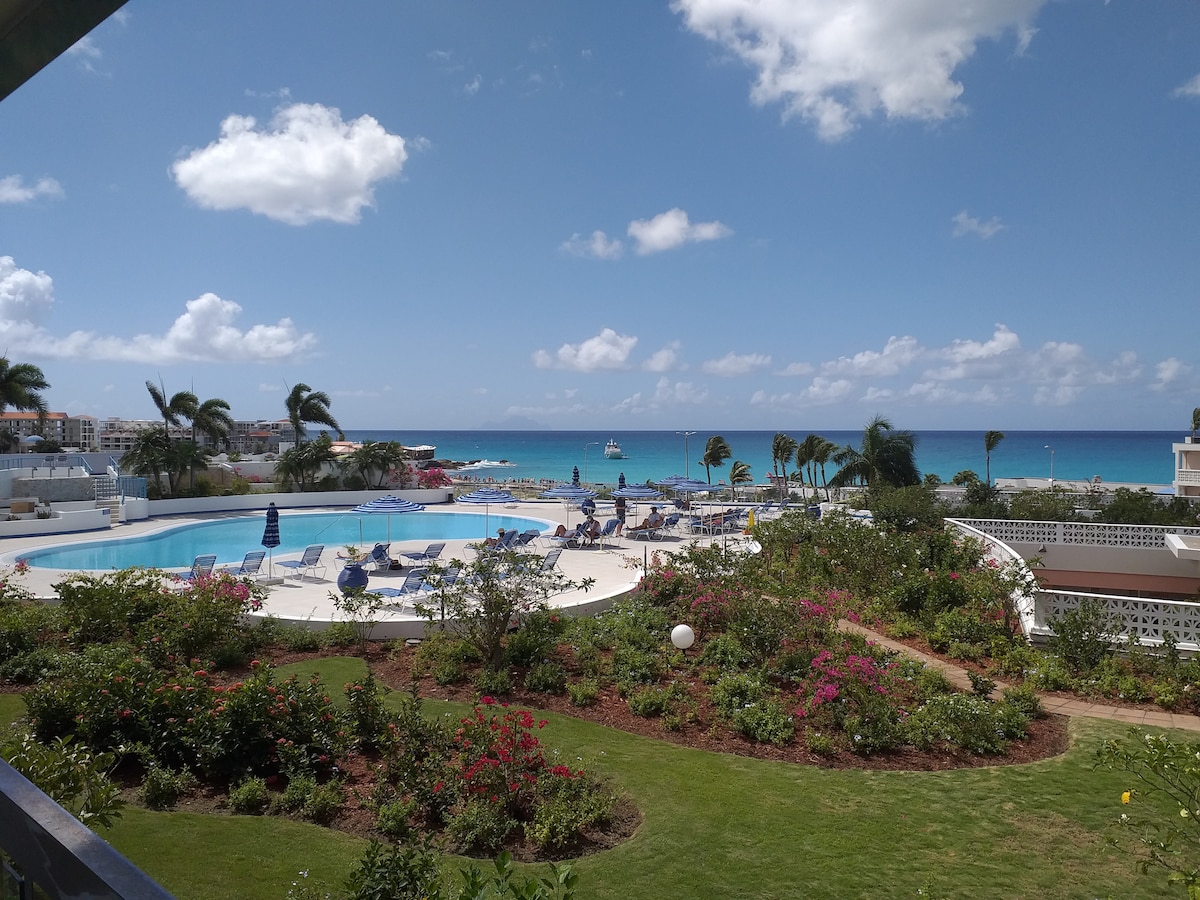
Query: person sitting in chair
(591, 529)
(492, 542)
(654, 520)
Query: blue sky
(775, 214)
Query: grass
(724, 826)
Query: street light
(1051, 449)
(686, 435)
(585, 449)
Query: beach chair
(202, 566)
(608, 532)
(525, 539)
(429, 554)
(251, 565)
(646, 534)
(549, 561)
(573, 539)
(414, 583)
(308, 563)
(380, 557)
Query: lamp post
(585, 450)
(1051, 449)
(686, 435)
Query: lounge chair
(414, 583)
(429, 554)
(573, 539)
(251, 565)
(505, 542)
(380, 557)
(549, 561)
(202, 566)
(525, 538)
(308, 563)
(608, 532)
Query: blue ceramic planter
(351, 577)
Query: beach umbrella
(636, 492)
(621, 480)
(270, 538)
(388, 504)
(575, 476)
(672, 480)
(485, 497)
(567, 493)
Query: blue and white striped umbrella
(271, 537)
(388, 504)
(485, 497)
(637, 492)
(567, 493)
(672, 480)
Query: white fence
(1149, 619)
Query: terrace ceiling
(34, 32)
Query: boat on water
(421, 451)
(612, 450)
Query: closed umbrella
(486, 497)
(575, 476)
(388, 504)
(621, 480)
(270, 538)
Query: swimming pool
(231, 539)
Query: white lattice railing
(1150, 619)
(1188, 476)
(995, 549)
(1093, 534)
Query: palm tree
(716, 451)
(374, 456)
(886, 456)
(990, 440)
(21, 386)
(783, 448)
(149, 456)
(182, 405)
(739, 473)
(212, 419)
(821, 456)
(302, 465)
(306, 405)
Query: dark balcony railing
(52, 849)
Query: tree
(489, 596)
(739, 473)
(182, 405)
(212, 419)
(302, 465)
(21, 386)
(821, 456)
(716, 451)
(815, 451)
(304, 405)
(990, 441)
(9, 442)
(885, 456)
(783, 448)
(149, 456)
(374, 457)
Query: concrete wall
(51, 490)
(308, 500)
(62, 522)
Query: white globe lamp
(682, 636)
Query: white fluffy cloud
(607, 350)
(671, 229)
(1190, 88)
(663, 360)
(833, 62)
(1168, 372)
(13, 189)
(965, 224)
(897, 354)
(733, 364)
(597, 245)
(205, 332)
(306, 165)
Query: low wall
(53, 490)
(63, 522)
(306, 500)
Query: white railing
(1093, 534)
(995, 549)
(1187, 476)
(1148, 618)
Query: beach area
(1138, 458)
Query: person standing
(619, 510)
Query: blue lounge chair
(201, 566)
(525, 538)
(608, 532)
(572, 539)
(380, 557)
(414, 583)
(429, 554)
(251, 565)
(308, 563)
(549, 561)
(506, 541)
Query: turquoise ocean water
(1142, 457)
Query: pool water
(232, 538)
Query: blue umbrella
(486, 497)
(637, 492)
(388, 504)
(270, 538)
(568, 492)
(672, 480)
(575, 476)
(621, 480)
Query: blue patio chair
(308, 563)
(429, 554)
(201, 566)
(608, 532)
(380, 557)
(572, 539)
(251, 565)
(525, 539)
(414, 583)
(549, 561)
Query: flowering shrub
(853, 690)
(433, 477)
(11, 589)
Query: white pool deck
(615, 569)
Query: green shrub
(394, 818)
(1081, 635)
(162, 787)
(820, 743)
(250, 797)
(633, 666)
(767, 722)
(584, 692)
(33, 666)
(494, 683)
(535, 641)
(323, 803)
(981, 685)
(546, 678)
(368, 717)
(449, 671)
(732, 693)
(967, 721)
(648, 702)
(480, 826)
(397, 872)
(339, 634)
(1025, 700)
(965, 652)
(299, 638)
(725, 651)
(565, 807)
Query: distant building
(78, 432)
(1187, 468)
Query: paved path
(1065, 706)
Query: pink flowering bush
(433, 477)
(852, 689)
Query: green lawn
(723, 826)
